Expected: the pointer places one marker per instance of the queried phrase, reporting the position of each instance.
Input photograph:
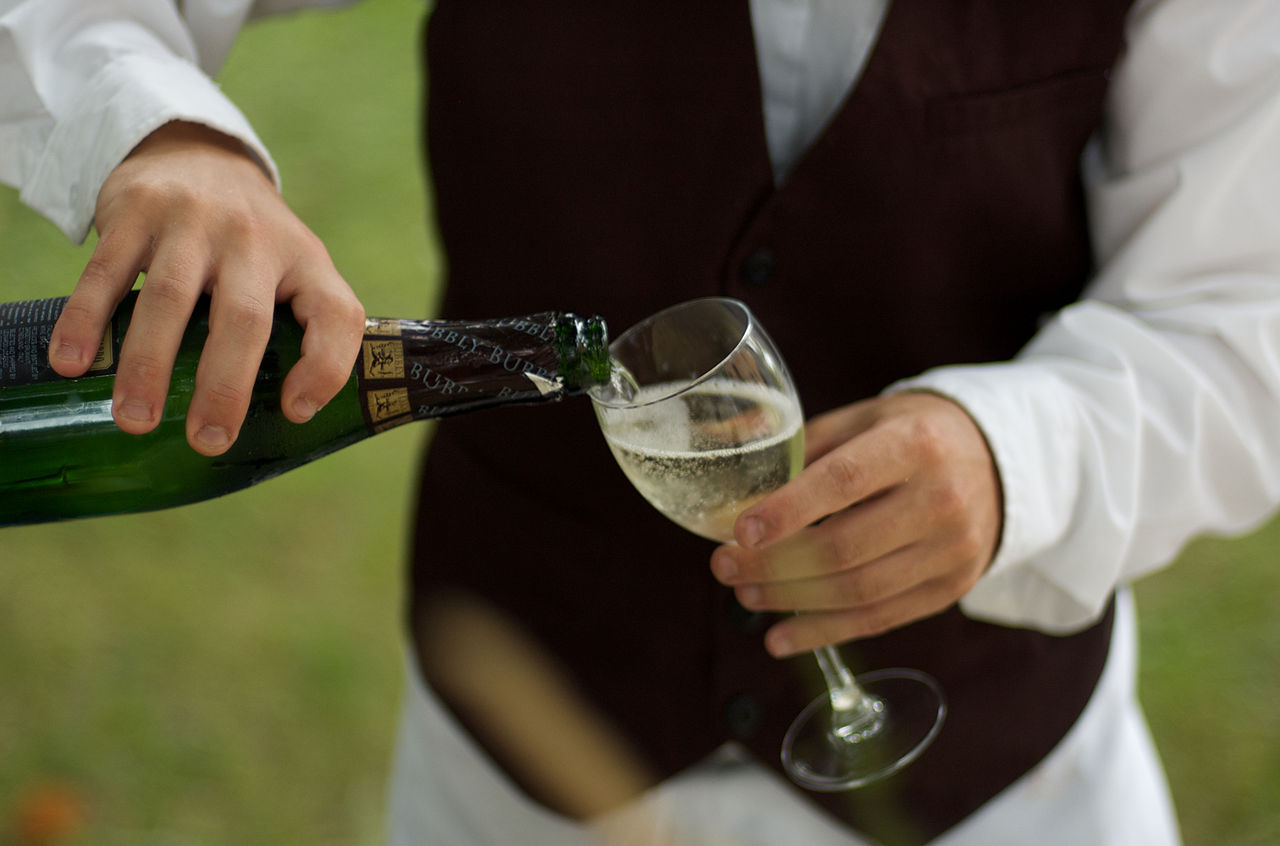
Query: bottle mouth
(584, 351)
(681, 346)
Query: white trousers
(1102, 785)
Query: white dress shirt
(1137, 418)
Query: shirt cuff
(1031, 429)
(129, 98)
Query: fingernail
(214, 437)
(304, 408)
(779, 644)
(724, 567)
(67, 352)
(139, 411)
(752, 531)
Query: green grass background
(228, 672)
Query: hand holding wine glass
(705, 421)
(895, 517)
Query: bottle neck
(418, 370)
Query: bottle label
(419, 370)
(25, 328)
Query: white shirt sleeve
(81, 83)
(1149, 412)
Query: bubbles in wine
(705, 455)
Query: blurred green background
(229, 672)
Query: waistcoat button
(743, 714)
(759, 267)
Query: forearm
(1143, 415)
(115, 123)
(86, 83)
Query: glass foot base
(913, 712)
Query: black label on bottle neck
(419, 370)
(25, 329)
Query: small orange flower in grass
(48, 813)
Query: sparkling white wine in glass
(713, 451)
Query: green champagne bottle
(62, 456)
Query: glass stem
(855, 716)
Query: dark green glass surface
(61, 455)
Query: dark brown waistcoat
(610, 156)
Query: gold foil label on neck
(383, 359)
(388, 404)
(391, 424)
(105, 358)
(383, 326)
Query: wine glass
(704, 420)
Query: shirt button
(743, 714)
(759, 267)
